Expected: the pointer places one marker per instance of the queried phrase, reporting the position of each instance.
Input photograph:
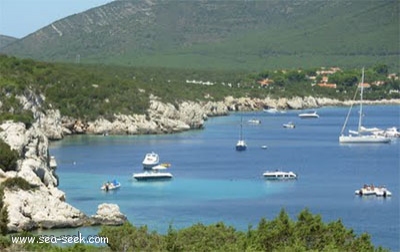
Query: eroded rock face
(32, 146)
(51, 125)
(43, 206)
(40, 208)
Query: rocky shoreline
(46, 207)
(164, 118)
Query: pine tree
(3, 220)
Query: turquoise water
(212, 182)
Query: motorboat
(273, 110)
(309, 115)
(150, 160)
(362, 134)
(108, 186)
(155, 173)
(279, 175)
(371, 190)
(53, 162)
(289, 125)
(391, 132)
(254, 121)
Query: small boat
(279, 175)
(371, 190)
(150, 160)
(241, 144)
(155, 173)
(391, 132)
(53, 162)
(254, 121)
(108, 186)
(271, 110)
(289, 125)
(309, 115)
(264, 147)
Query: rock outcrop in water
(108, 214)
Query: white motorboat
(108, 186)
(289, 125)
(150, 160)
(391, 132)
(279, 175)
(155, 173)
(371, 190)
(53, 162)
(309, 115)
(362, 134)
(254, 121)
(273, 111)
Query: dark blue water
(213, 182)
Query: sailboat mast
(241, 128)
(361, 102)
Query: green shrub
(308, 233)
(8, 157)
(17, 183)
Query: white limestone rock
(108, 214)
(14, 135)
(51, 125)
(38, 208)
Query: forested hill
(248, 35)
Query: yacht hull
(363, 139)
(152, 177)
(241, 147)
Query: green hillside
(91, 91)
(247, 35)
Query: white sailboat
(360, 136)
(241, 144)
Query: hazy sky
(19, 18)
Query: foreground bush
(308, 233)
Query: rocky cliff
(44, 206)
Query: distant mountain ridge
(6, 40)
(222, 34)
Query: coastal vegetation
(17, 183)
(88, 92)
(307, 233)
(8, 157)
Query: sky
(19, 18)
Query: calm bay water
(212, 182)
